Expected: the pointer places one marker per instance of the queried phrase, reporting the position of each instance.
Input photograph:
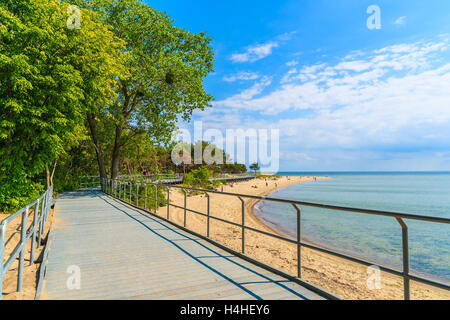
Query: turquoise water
(375, 238)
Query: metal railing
(90, 181)
(115, 188)
(40, 210)
(95, 181)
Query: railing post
(137, 195)
(145, 197)
(184, 190)
(23, 237)
(33, 240)
(44, 218)
(156, 199)
(208, 215)
(299, 256)
(48, 199)
(406, 289)
(2, 254)
(41, 224)
(131, 191)
(44, 207)
(168, 203)
(243, 225)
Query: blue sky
(344, 97)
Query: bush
(200, 178)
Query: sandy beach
(339, 276)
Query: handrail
(90, 181)
(43, 203)
(95, 181)
(112, 187)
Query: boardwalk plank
(123, 253)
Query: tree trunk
(116, 153)
(128, 167)
(97, 145)
(49, 176)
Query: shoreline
(340, 276)
(267, 225)
(250, 206)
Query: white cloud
(397, 95)
(246, 95)
(254, 53)
(400, 21)
(350, 82)
(286, 36)
(384, 109)
(241, 76)
(292, 63)
(292, 155)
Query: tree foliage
(166, 66)
(255, 167)
(201, 178)
(105, 97)
(47, 75)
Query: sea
(374, 238)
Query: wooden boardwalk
(123, 253)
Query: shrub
(200, 178)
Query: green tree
(166, 66)
(200, 178)
(47, 74)
(255, 167)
